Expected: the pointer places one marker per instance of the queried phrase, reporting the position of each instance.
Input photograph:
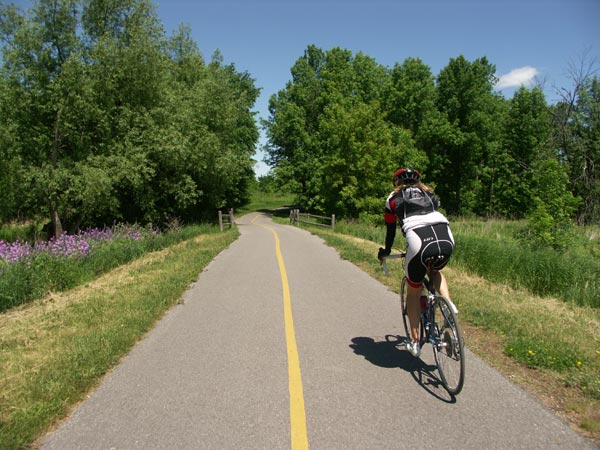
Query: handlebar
(392, 256)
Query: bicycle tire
(449, 348)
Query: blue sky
(522, 38)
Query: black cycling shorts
(423, 243)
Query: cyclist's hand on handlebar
(382, 252)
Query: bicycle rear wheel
(449, 347)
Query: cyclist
(427, 233)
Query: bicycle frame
(427, 316)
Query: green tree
(553, 206)
(410, 98)
(10, 166)
(578, 134)
(107, 119)
(224, 102)
(129, 75)
(360, 152)
(526, 141)
(294, 113)
(307, 129)
(465, 99)
(41, 61)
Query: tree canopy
(106, 118)
(103, 118)
(344, 124)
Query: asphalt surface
(213, 373)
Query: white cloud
(517, 77)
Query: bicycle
(439, 327)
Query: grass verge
(544, 344)
(54, 350)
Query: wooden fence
(297, 217)
(226, 219)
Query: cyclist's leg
(441, 285)
(413, 307)
(415, 272)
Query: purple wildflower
(69, 245)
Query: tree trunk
(56, 224)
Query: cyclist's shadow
(391, 354)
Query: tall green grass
(20, 232)
(367, 231)
(546, 272)
(492, 249)
(28, 280)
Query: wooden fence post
(221, 220)
(333, 221)
(231, 218)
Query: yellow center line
(297, 413)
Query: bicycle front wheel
(449, 347)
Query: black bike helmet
(406, 176)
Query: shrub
(549, 219)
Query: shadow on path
(391, 354)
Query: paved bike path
(213, 373)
